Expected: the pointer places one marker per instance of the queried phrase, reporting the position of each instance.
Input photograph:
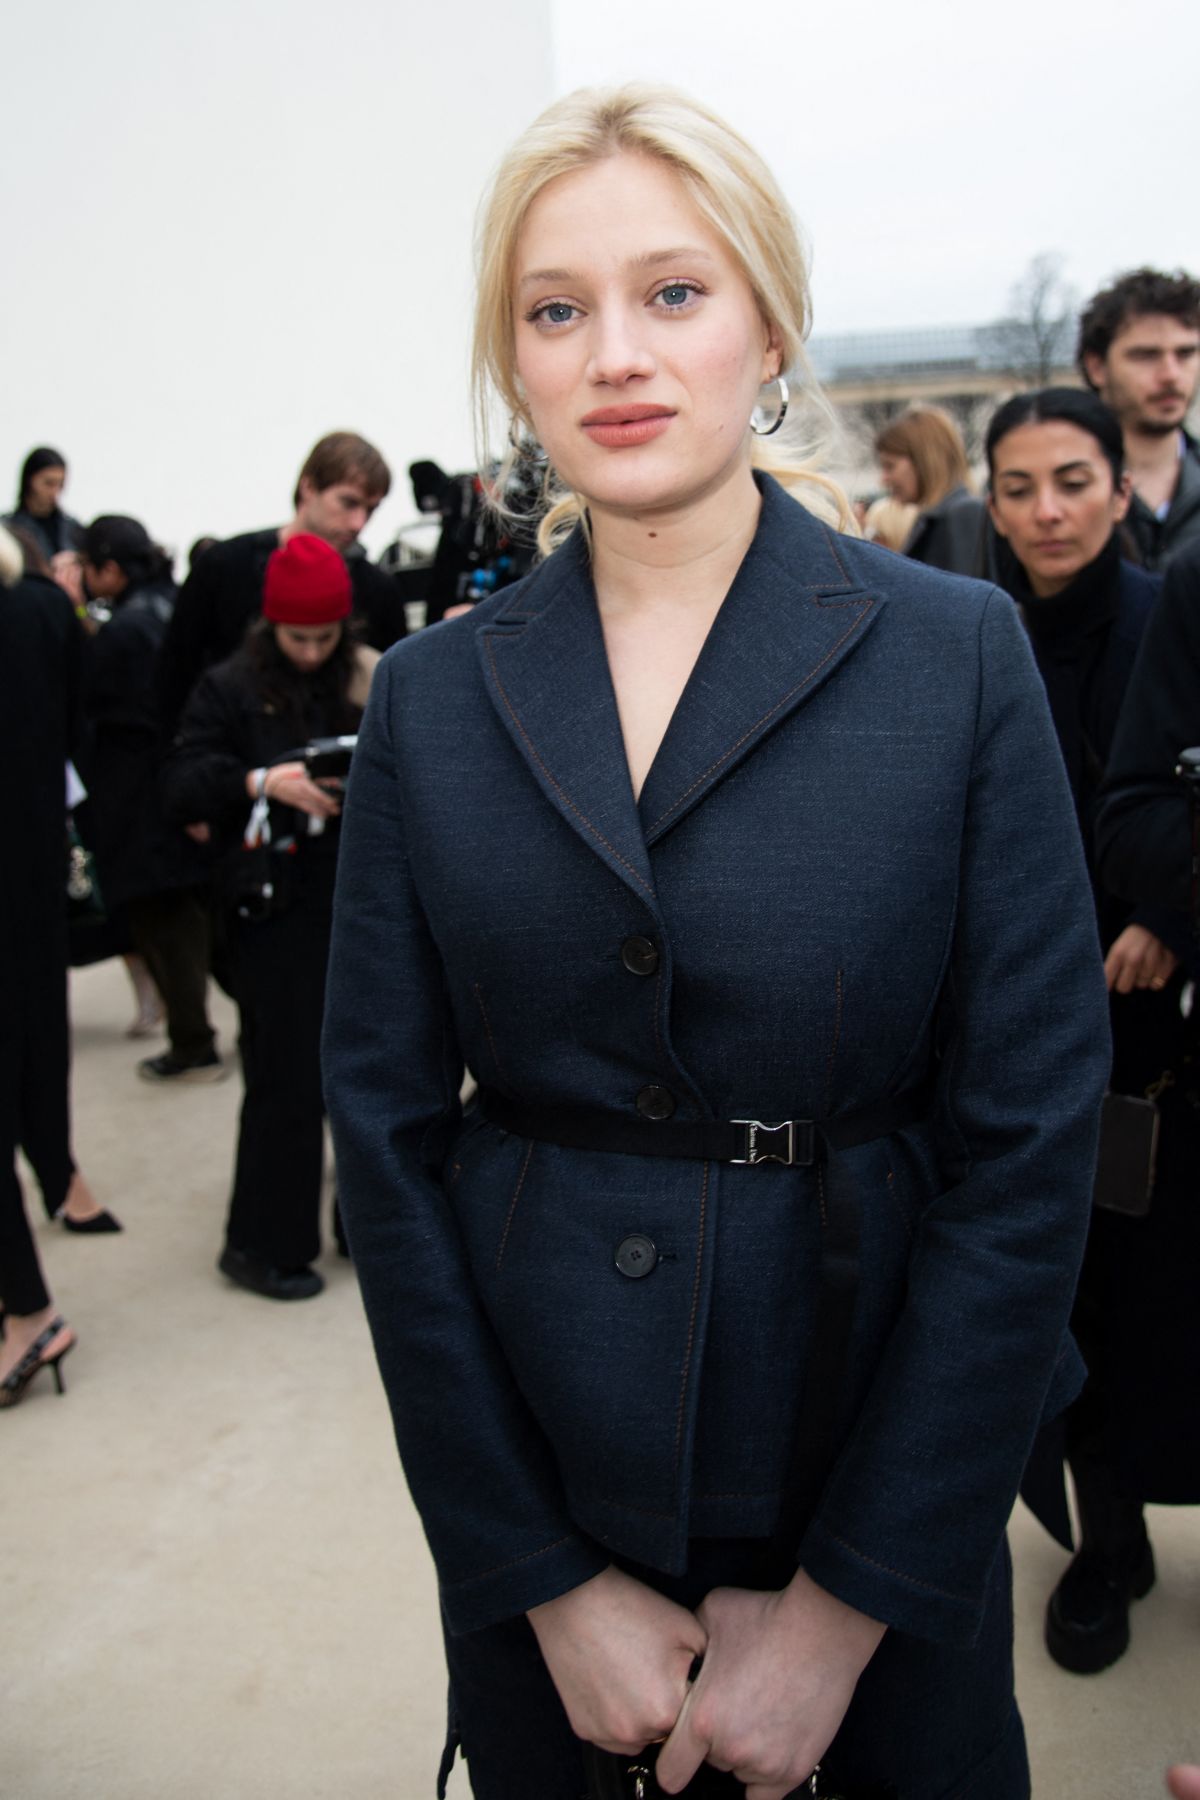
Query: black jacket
(223, 595)
(1143, 832)
(229, 728)
(137, 852)
(57, 532)
(951, 535)
(1158, 540)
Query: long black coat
(137, 852)
(40, 642)
(1143, 852)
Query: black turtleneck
(1070, 632)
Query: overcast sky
(931, 149)
(233, 226)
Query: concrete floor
(214, 1586)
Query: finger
(682, 1753)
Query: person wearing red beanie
(299, 675)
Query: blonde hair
(933, 445)
(889, 522)
(12, 562)
(729, 184)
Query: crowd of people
(681, 769)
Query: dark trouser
(927, 1722)
(22, 1289)
(171, 932)
(43, 1096)
(280, 980)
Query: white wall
(232, 226)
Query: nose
(619, 352)
(1047, 504)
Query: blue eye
(554, 312)
(676, 294)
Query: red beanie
(307, 583)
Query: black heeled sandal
(13, 1387)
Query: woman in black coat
(1058, 495)
(43, 478)
(300, 675)
(38, 681)
(150, 871)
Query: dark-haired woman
(299, 675)
(1059, 493)
(37, 512)
(149, 871)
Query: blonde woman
(733, 857)
(923, 463)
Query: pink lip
(619, 426)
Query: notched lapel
(547, 676)
(792, 616)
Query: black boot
(1087, 1619)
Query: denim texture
(856, 856)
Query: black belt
(799, 1143)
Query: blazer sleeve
(480, 1470)
(910, 1521)
(1143, 831)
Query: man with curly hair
(1139, 349)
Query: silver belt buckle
(767, 1143)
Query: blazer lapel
(792, 615)
(547, 676)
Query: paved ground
(213, 1583)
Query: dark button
(655, 1103)
(636, 1256)
(639, 956)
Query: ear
(991, 507)
(1094, 370)
(772, 354)
(1122, 498)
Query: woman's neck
(684, 556)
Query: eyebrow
(1080, 462)
(651, 259)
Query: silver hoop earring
(780, 416)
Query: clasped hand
(779, 1672)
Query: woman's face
(308, 646)
(42, 491)
(899, 476)
(1053, 498)
(640, 347)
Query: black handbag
(1128, 1155)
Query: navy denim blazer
(856, 856)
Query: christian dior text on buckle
(791, 1142)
